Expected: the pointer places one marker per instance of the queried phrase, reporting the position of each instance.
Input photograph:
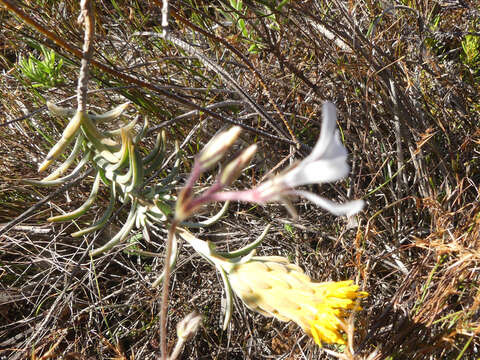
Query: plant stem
(86, 17)
(165, 291)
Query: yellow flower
(274, 287)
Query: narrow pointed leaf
(103, 220)
(82, 209)
(121, 235)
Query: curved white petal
(328, 134)
(317, 172)
(335, 148)
(349, 208)
(326, 163)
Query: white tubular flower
(328, 160)
(326, 163)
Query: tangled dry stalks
(407, 87)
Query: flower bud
(235, 167)
(217, 146)
(187, 327)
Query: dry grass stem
(405, 78)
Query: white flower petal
(335, 148)
(328, 144)
(317, 172)
(349, 208)
(326, 163)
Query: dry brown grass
(409, 113)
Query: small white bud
(188, 326)
(217, 146)
(236, 166)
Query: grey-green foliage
(118, 163)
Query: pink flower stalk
(326, 163)
(211, 154)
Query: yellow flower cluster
(273, 286)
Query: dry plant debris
(405, 78)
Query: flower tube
(326, 163)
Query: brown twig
(132, 80)
(246, 61)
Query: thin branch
(132, 80)
(220, 71)
(32, 210)
(246, 61)
(165, 16)
(87, 19)
(165, 291)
